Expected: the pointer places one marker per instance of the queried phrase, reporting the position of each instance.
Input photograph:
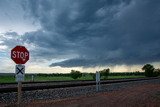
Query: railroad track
(29, 86)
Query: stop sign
(20, 55)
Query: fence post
(97, 81)
(32, 78)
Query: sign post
(19, 92)
(97, 81)
(20, 73)
(20, 55)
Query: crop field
(7, 79)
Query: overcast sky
(86, 35)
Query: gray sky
(82, 33)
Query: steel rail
(71, 84)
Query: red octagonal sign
(20, 55)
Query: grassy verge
(118, 77)
(8, 79)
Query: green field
(7, 79)
(118, 77)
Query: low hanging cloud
(95, 33)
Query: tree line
(148, 71)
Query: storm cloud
(95, 32)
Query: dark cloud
(10, 39)
(95, 33)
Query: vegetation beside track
(149, 71)
(8, 79)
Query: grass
(49, 78)
(131, 76)
(8, 79)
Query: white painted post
(20, 73)
(97, 81)
(32, 78)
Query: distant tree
(156, 72)
(75, 74)
(137, 73)
(105, 73)
(94, 76)
(149, 70)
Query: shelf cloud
(90, 33)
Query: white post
(32, 78)
(97, 81)
(20, 72)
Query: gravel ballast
(59, 93)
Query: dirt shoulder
(140, 96)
